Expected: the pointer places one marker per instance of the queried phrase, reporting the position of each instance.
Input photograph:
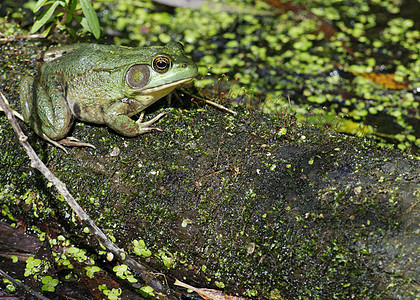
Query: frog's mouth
(172, 85)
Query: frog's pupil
(161, 64)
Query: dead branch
(9, 38)
(143, 271)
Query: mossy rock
(254, 203)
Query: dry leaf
(209, 294)
(385, 80)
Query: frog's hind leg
(26, 93)
(54, 115)
(45, 109)
(47, 112)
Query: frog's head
(160, 71)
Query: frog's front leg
(117, 118)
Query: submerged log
(255, 205)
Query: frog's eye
(161, 64)
(137, 76)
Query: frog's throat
(166, 86)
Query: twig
(218, 105)
(211, 102)
(208, 294)
(23, 286)
(9, 38)
(17, 114)
(144, 272)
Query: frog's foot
(55, 143)
(69, 142)
(144, 127)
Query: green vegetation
(365, 74)
(60, 13)
(122, 272)
(112, 294)
(140, 249)
(35, 266)
(49, 283)
(258, 205)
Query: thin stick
(210, 102)
(144, 272)
(9, 38)
(218, 105)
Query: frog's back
(91, 73)
(91, 70)
(90, 57)
(85, 58)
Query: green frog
(101, 84)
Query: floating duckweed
(122, 272)
(91, 270)
(34, 266)
(49, 283)
(140, 249)
(147, 291)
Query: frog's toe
(148, 129)
(73, 142)
(144, 125)
(55, 143)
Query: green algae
(286, 54)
